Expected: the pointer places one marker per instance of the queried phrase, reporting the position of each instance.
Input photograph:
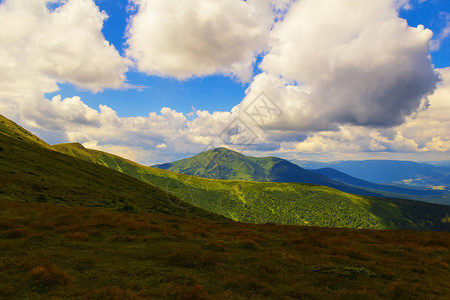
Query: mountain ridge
(285, 203)
(227, 164)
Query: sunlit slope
(11, 129)
(29, 172)
(284, 203)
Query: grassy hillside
(58, 252)
(30, 172)
(9, 128)
(284, 203)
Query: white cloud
(40, 48)
(186, 38)
(369, 68)
(428, 131)
(444, 34)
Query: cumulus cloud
(369, 68)
(42, 47)
(428, 131)
(186, 38)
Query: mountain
(281, 203)
(441, 163)
(223, 163)
(389, 171)
(400, 190)
(31, 171)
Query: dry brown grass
(100, 254)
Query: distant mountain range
(223, 163)
(389, 171)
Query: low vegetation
(53, 251)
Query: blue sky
(159, 80)
(215, 92)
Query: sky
(159, 80)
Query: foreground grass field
(50, 251)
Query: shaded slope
(284, 203)
(29, 172)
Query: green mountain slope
(284, 203)
(223, 163)
(9, 128)
(32, 172)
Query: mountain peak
(222, 150)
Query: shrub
(114, 293)
(80, 236)
(182, 292)
(48, 276)
(15, 233)
(127, 207)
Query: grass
(52, 251)
(9, 128)
(29, 172)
